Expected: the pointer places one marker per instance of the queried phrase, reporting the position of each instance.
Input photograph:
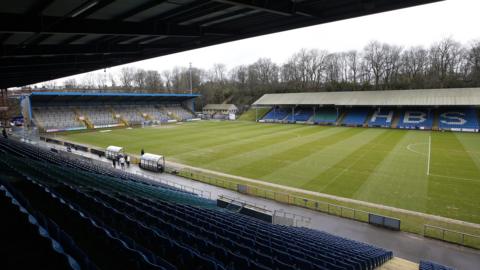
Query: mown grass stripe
(346, 177)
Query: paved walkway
(404, 245)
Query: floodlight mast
(191, 86)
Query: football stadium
(119, 179)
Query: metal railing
(202, 193)
(325, 207)
(286, 218)
(451, 236)
(260, 207)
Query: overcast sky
(421, 25)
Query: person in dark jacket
(4, 133)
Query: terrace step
(398, 264)
(396, 118)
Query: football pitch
(430, 172)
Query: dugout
(152, 162)
(113, 152)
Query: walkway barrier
(290, 219)
(202, 193)
(252, 209)
(245, 208)
(451, 236)
(383, 221)
(282, 197)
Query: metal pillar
(3, 108)
(313, 118)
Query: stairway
(340, 118)
(436, 120)
(121, 120)
(85, 120)
(396, 118)
(367, 119)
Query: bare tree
(167, 76)
(374, 57)
(126, 76)
(112, 80)
(100, 80)
(139, 78)
(88, 81)
(70, 83)
(153, 80)
(352, 58)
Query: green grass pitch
(389, 167)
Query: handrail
(445, 232)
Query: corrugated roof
(422, 97)
(220, 107)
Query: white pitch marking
(429, 151)
(409, 148)
(454, 177)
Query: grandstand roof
(48, 39)
(422, 97)
(220, 107)
(47, 97)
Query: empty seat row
(153, 227)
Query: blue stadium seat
(155, 227)
(277, 114)
(461, 119)
(301, 115)
(355, 116)
(381, 117)
(325, 116)
(416, 118)
(428, 265)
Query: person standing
(4, 133)
(142, 152)
(114, 160)
(122, 162)
(128, 161)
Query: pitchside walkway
(404, 245)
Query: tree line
(378, 66)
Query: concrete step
(398, 264)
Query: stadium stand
(426, 265)
(177, 111)
(381, 117)
(26, 244)
(129, 112)
(220, 111)
(446, 109)
(301, 115)
(276, 114)
(461, 119)
(416, 118)
(63, 111)
(325, 116)
(355, 116)
(153, 113)
(57, 117)
(150, 226)
(99, 115)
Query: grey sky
(421, 25)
